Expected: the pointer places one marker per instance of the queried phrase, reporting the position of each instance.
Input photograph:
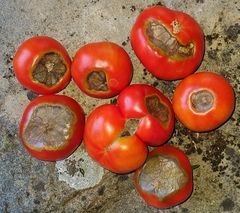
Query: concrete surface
(29, 185)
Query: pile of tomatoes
(170, 44)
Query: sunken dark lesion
(160, 38)
(157, 109)
(49, 69)
(97, 81)
(202, 101)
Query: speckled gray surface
(29, 185)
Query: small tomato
(52, 127)
(203, 101)
(42, 65)
(101, 69)
(170, 44)
(165, 180)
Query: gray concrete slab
(29, 185)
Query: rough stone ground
(29, 185)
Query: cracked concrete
(30, 185)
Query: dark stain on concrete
(227, 204)
(210, 38)
(133, 8)
(212, 54)
(232, 32)
(71, 167)
(39, 186)
(101, 190)
(123, 177)
(200, 1)
(31, 95)
(113, 101)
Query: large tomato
(42, 65)
(116, 136)
(52, 127)
(102, 69)
(203, 101)
(165, 180)
(170, 44)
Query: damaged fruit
(165, 180)
(116, 136)
(52, 127)
(203, 101)
(102, 69)
(42, 65)
(170, 44)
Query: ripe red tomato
(116, 136)
(203, 101)
(102, 69)
(165, 179)
(153, 110)
(52, 127)
(42, 65)
(170, 44)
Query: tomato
(165, 180)
(153, 111)
(101, 69)
(52, 127)
(116, 136)
(42, 65)
(203, 101)
(170, 44)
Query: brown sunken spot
(49, 126)
(97, 81)
(162, 176)
(162, 39)
(202, 101)
(49, 69)
(157, 109)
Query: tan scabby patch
(49, 126)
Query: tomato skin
(103, 144)
(132, 104)
(77, 129)
(176, 197)
(223, 107)
(26, 56)
(102, 56)
(159, 65)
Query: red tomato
(42, 65)
(116, 135)
(165, 180)
(203, 101)
(52, 127)
(152, 108)
(101, 69)
(170, 44)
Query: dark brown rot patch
(202, 101)
(157, 109)
(130, 127)
(162, 39)
(49, 69)
(97, 81)
(48, 126)
(161, 176)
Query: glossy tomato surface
(203, 101)
(42, 65)
(153, 110)
(52, 127)
(102, 69)
(165, 180)
(116, 136)
(170, 44)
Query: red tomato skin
(132, 105)
(27, 55)
(103, 144)
(159, 65)
(102, 56)
(77, 129)
(175, 198)
(221, 111)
